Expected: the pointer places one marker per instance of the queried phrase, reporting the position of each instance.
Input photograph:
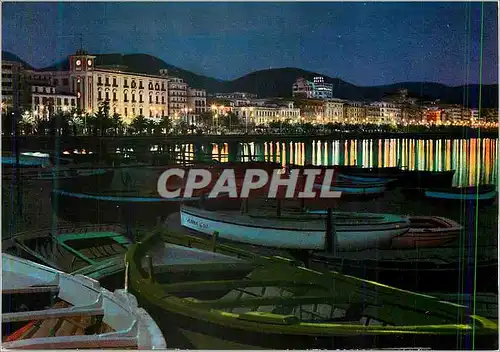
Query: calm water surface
(475, 160)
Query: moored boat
(426, 179)
(230, 298)
(364, 180)
(425, 231)
(95, 251)
(76, 179)
(296, 230)
(428, 231)
(354, 190)
(47, 309)
(369, 172)
(31, 160)
(442, 269)
(482, 194)
(123, 207)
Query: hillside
(8, 56)
(278, 82)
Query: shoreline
(31, 141)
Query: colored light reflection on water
(472, 159)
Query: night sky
(362, 43)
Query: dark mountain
(278, 82)
(8, 56)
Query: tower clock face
(89, 62)
(78, 62)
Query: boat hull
(97, 209)
(425, 179)
(346, 238)
(91, 180)
(443, 232)
(129, 210)
(190, 333)
(354, 191)
(482, 195)
(368, 172)
(202, 322)
(362, 179)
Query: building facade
(333, 111)
(197, 100)
(317, 89)
(263, 115)
(383, 113)
(13, 87)
(129, 94)
(453, 113)
(236, 96)
(354, 112)
(45, 101)
(178, 91)
(411, 113)
(433, 115)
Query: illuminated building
(45, 101)
(129, 94)
(13, 94)
(317, 89)
(333, 110)
(383, 113)
(433, 115)
(354, 112)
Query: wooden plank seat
(51, 313)
(32, 289)
(233, 284)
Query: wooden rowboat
(428, 231)
(230, 298)
(75, 179)
(483, 194)
(48, 309)
(296, 231)
(425, 231)
(93, 251)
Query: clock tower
(81, 70)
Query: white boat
(52, 310)
(297, 230)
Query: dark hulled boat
(223, 297)
(422, 270)
(426, 179)
(482, 194)
(124, 207)
(369, 172)
(73, 179)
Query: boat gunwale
(133, 312)
(19, 240)
(189, 211)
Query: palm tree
(76, 122)
(102, 119)
(165, 124)
(27, 122)
(117, 123)
(139, 124)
